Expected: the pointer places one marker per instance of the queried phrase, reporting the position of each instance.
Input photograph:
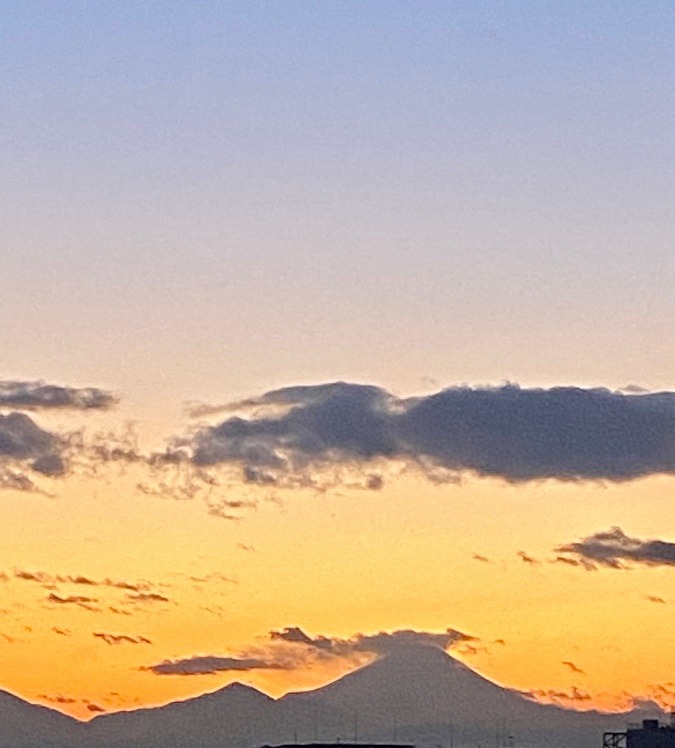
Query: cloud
(40, 396)
(379, 644)
(527, 559)
(616, 550)
(561, 698)
(209, 664)
(291, 648)
(58, 698)
(121, 638)
(481, 558)
(44, 578)
(563, 433)
(24, 443)
(148, 597)
(656, 599)
(573, 667)
(70, 599)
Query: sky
(460, 215)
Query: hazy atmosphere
(332, 330)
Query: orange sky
(337, 564)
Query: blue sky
(337, 176)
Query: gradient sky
(204, 202)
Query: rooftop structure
(650, 734)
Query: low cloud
(517, 434)
(20, 395)
(574, 696)
(292, 648)
(380, 644)
(616, 550)
(210, 664)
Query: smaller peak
(243, 689)
(239, 686)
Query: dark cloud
(616, 550)
(40, 396)
(526, 559)
(24, 443)
(58, 698)
(46, 579)
(292, 648)
(573, 667)
(80, 600)
(33, 576)
(574, 562)
(378, 644)
(565, 433)
(209, 664)
(148, 597)
(26, 449)
(298, 636)
(656, 599)
(481, 558)
(121, 638)
(95, 708)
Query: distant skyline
(332, 320)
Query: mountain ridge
(418, 694)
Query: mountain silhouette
(414, 694)
(422, 694)
(23, 724)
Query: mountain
(417, 694)
(421, 694)
(236, 715)
(23, 724)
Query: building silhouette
(650, 734)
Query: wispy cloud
(616, 550)
(80, 600)
(121, 638)
(45, 578)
